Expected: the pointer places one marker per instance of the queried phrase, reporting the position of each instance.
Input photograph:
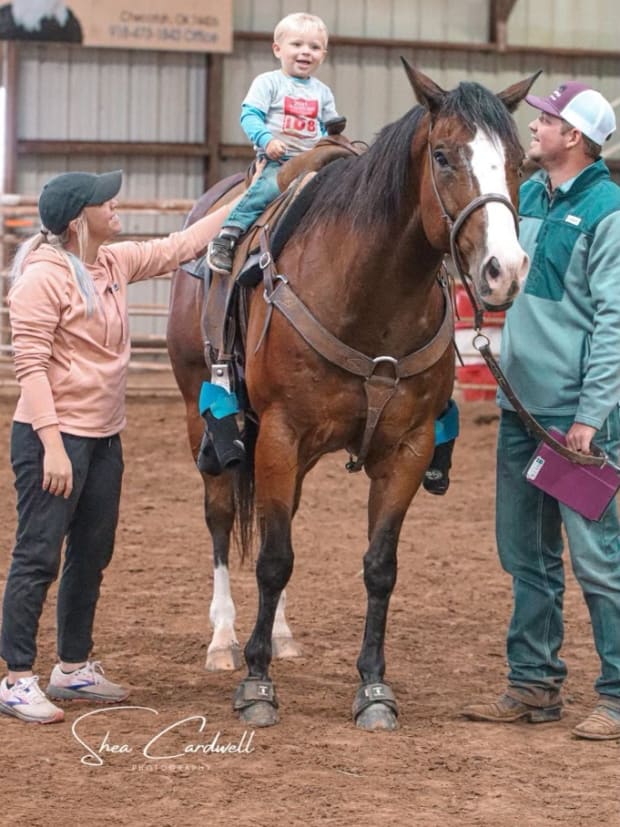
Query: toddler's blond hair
(300, 22)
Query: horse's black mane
(370, 188)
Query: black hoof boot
(222, 447)
(437, 477)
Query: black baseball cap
(64, 197)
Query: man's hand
(579, 438)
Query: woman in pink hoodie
(69, 321)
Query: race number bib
(300, 117)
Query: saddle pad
(586, 489)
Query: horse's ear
(513, 95)
(428, 93)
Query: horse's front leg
(276, 484)
(392, 488)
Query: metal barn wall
(572, 24)
(80, 94)
(458, 20)
(72, 93)
(368, 81)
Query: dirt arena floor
(445, 647)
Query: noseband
(455, 225)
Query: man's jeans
(256, 198)
(88, 521)
(529, 539)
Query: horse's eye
(440, 158)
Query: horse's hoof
(285, 647)
(256, 702)
(377, 718)
(227, 659)
(259, 714)
(374, 707)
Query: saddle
(224, 318)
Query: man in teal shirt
(561, 354)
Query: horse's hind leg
(283, 645)
(224, 651)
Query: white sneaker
(26, 700)
(85, 683)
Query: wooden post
(498, 25)
(10, 74)
(213, 126)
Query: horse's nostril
(493, 268)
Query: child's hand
(275, 149)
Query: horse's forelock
(479, 108)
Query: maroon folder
(586, 489)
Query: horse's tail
(244, 491)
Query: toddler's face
(300, 53)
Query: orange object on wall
(474, 377)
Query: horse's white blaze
(488, 166)
(222, 611)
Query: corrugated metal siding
(91, 94)
(104, 94)
(108, 95)
(577, 24)
(371, 88)
(403, 19)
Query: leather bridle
(456, 224)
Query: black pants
(87, 520)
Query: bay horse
(349, 346)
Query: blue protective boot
(221, 447)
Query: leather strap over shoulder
(279, 293)
(379, 389)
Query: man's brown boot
(603, 724)
(507, 709)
